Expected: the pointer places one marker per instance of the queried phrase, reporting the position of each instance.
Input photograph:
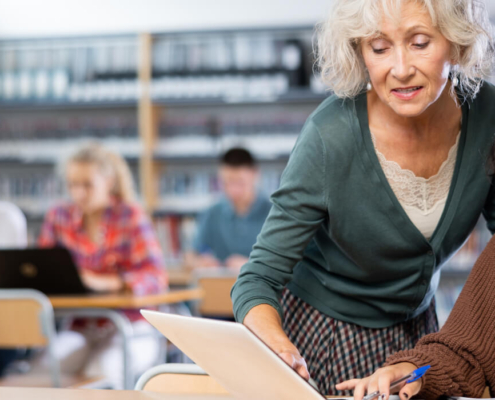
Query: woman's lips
(407, 93)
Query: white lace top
(423, 199)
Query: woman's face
(88, 187)
(408, 61)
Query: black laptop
(51, 271)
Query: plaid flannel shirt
(128, 245)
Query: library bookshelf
(170, 103)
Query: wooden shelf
(295, 96)
(46, 104)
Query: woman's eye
(421, 45)
(378, 51)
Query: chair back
(27, 318)
(28, 321)
(186, 379)
(216, 285)
(13, 226)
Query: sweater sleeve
(461, 354)
(298, 210)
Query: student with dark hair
(228, 230)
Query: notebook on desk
(51, 271)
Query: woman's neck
(91, 223)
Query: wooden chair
(216, 284)
(187, 379)
(27, 321)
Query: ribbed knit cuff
(437, 381)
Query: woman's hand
(265, 322)
(102, 282)
(295, 361)
(380, 381)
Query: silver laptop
(234, 357)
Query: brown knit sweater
(462, 353)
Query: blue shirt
(222, 233)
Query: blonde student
(114, 246)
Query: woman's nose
(402, 68)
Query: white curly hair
(464, 23)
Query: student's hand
(102, 282)
(236, 261)
(207, 260)
(380, 381)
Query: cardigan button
(430, 252)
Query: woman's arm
(300, 206)
(461, 355)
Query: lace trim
(415, 191)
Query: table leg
(122, 324)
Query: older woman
(385, 183)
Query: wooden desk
(88, 394)
(180, 277)
(216, 283)
(108, 306)
(126, 300)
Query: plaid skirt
(336, 351)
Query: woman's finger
(410, 390)
(302, 369)
(360, 389)
(348, 385)
(384, 380)
(297, 363)
(372, 385)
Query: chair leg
(54, 366)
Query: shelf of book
(60, 105)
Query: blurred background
(170, 85)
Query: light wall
(31, 18)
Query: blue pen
(409, 378)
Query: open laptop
(51, 271)
(234, 357)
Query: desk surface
(125, 300)
(180, 277)
(87, 394)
